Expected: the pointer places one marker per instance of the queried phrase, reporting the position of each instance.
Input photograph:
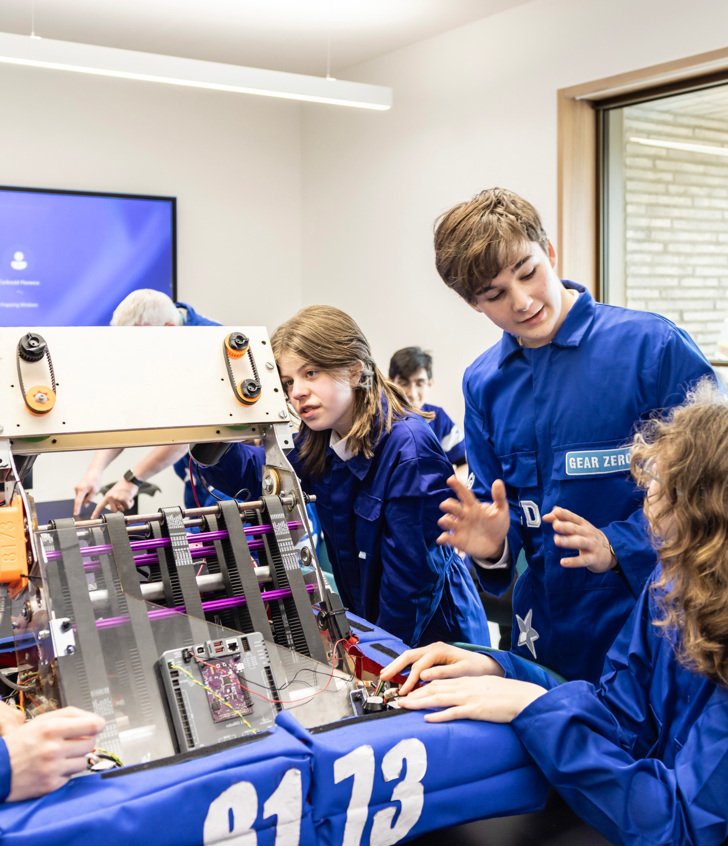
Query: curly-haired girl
(643, 755)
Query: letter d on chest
(531, 514)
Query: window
(664, 207)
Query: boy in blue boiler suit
(550, 411)
(411, 369)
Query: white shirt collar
(339, 446)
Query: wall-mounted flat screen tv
(67, 258)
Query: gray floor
(556, 825)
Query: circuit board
(219, 690)
(226, 692)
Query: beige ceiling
(299, 36)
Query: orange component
(271, 482)
(236, 345)
(249, 400)
(13, 557)
(40, 399)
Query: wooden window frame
(578, 213)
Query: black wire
(13, 685)
(243, 493)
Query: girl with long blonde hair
(379, 474)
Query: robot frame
(198, 618)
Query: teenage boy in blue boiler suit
(549, 413)
(411, 369)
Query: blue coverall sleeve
(240, 469)
(681, 366)
(485, 469)
(4, 771)
(597, 747)
(516, 667)
(451, 438)
(413, 566)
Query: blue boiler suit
(379, 517)
(642, 756)
(5, 774)
(451, 438)
(192, 318)
(555, 423)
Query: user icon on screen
(18, 262)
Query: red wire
(283, 701)
(192, 483)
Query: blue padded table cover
(186, 801)
(375, 643)
(390, 776)
(381, 778)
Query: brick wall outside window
(676, 221)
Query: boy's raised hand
(574, 532)
(477, 528)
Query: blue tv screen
(68, 258)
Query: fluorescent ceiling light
(710, 149)
(173, 70)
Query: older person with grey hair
(143, 307)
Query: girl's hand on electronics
(490, 698)
(574, 532)
(477, 528)
(118, 498)
(439, 661)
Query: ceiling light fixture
(173, 70)
(691, 147)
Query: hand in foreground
(439, 661)
(574, 532)
(10, 718)
(118, 498)
(477, 528)
(490, 698)
(46, 751)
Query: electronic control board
(219, 690)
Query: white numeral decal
(231, 816)
(285, 803)
(358, 763)
(409, 793)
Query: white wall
(282, 205)
(473, 108)
(232, 162)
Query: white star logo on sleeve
(526, 633)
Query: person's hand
(574, 532)
(439, 661)
(490, 698)
(10, 718)
(85, 490)
(118, 498)
(477, 528)
(46, 751)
